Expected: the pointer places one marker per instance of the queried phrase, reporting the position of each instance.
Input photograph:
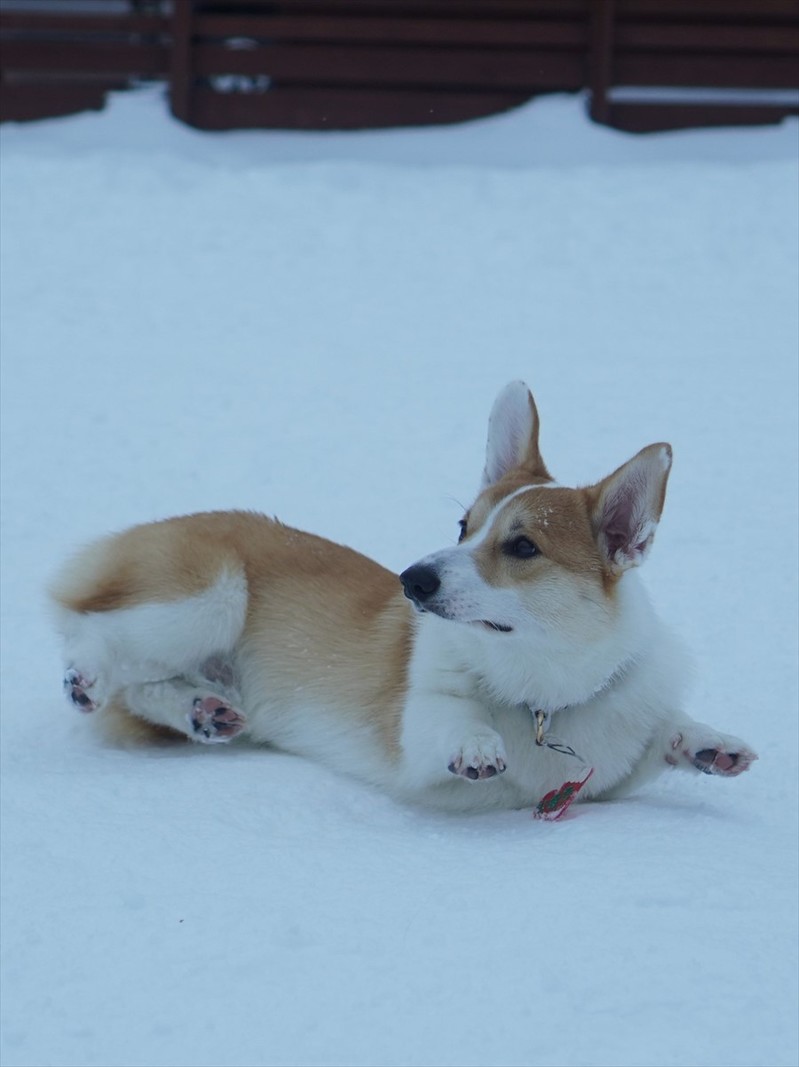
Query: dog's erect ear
(628, 505)
(513, 435)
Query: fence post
(603, 13)
(180, 74)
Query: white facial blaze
(474, 542)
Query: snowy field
(316, 326)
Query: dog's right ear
(513, 436)
(627, 507)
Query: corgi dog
(440, 686)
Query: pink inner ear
(618, 526)
(630, 504)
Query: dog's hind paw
(720, 754)
(481, 756)
(77, 687)
(213, 720)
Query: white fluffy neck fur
(545, 670)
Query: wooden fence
(344, 64)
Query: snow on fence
(346, 64)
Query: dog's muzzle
(420, 582)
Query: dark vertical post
(603, 14)
(180, 74)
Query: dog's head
(535, 556)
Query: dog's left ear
(627, 507)
(513, 436)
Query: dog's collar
(553, 804)
(542, 719)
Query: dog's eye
(462, 524)
(521, 548)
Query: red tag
(557, 801)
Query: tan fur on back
(160, 561)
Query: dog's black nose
(419, 582)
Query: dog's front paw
(481, 756)
(715, 754)
(213, 720)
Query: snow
(316, 326)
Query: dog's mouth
(487, 624)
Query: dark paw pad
(714, 761)
(76, 687)
(213, 720)
(475, 773)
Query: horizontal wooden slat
(44, 22)
(23, 103)
(701, 10)
(709, 10)
(437, 31)
(342, 109)
(744, 72)
(518, 70)
(685, 36)
(499, 9)
(510, 33)
(720, 11)
(647, 118)
(131, 58)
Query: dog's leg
(195, 710)
(118, 649)
(691, 746)
(444, 732)
(695, 746)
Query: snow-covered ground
(315, 326)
